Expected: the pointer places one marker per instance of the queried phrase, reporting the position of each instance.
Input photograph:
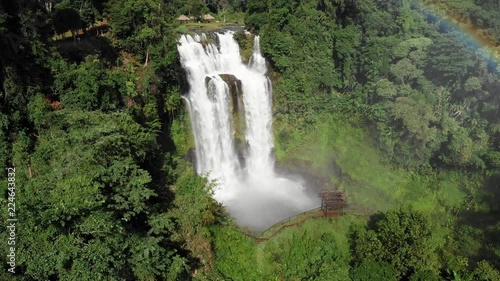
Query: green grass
(370, 185)
(240, 257)
(368, 182)
(273, 255)
(339, 227)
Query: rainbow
(472, 35)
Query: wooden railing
(289, 219)
(289, 222)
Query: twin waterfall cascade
(230, 106)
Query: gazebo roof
(208, 17)
(182, 17)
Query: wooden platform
(332, 200)
(333, 203)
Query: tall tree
(403, 238)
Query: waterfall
(257, 61)
(246, 182)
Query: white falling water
(251, 191)
(257, 61)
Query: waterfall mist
(230, 106)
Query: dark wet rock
(238, 110)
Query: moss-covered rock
(239, 121)
(245, 41)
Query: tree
(386, 89)
(67, 19)
(89, 202)
(463, 149)
(373, 271)
(218, 6)
(77, 14)
(405, 71)
(417, 117)
(139, 25)
(256, 16)
(422, 275)
(403, 238)
(4, 144)
(196, 8)
(414, 49)
(234, 255)
(451, 59)
(38, 107)
(309, 256)
(88, 86)
(485, 272)
(472, 84)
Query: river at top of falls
(249, 188)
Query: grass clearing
(368, 182)
(279, 253)
(206, 27)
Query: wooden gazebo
(208, 18)
(183, 18)
(332, 202)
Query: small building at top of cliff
(183, 18)
(208, 18)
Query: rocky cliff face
(238, 112)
